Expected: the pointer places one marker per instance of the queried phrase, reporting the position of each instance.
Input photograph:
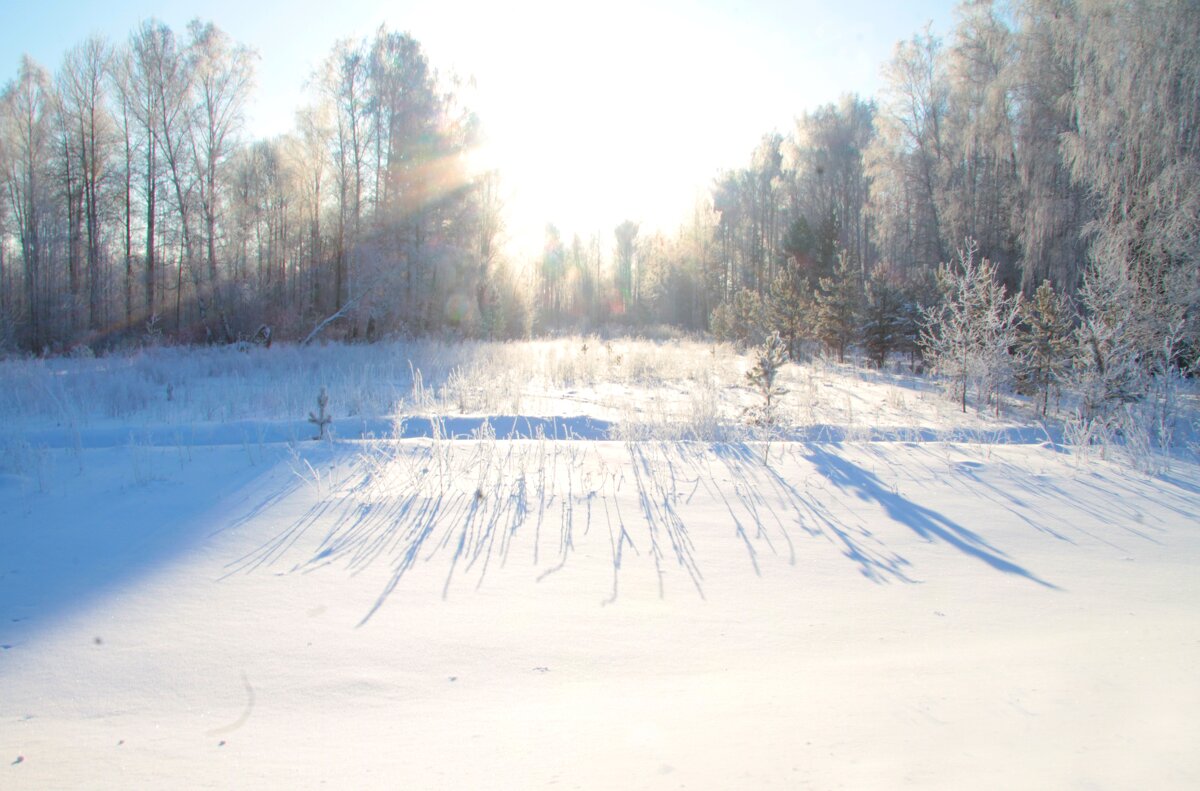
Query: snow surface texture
(537, 565)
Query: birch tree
(906, 159)
(1136, 150)
(221, 73)
(26, 105)
(82, 88)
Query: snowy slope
(511, 613)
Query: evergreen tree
(920, 290)
(883, 319)
(769, 360)
(788, 308)
(836, 307)
(742, 322)
(1045, 342)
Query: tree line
(1057, 139)
(133, 203)
(1047, 149)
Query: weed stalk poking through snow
(320, 418)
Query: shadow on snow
(478, 505)
(926, 523)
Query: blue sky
(596, 111)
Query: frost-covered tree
(968, 337)
(1108, 369)
(626, 249)
(87, 131)
(25, 125)
(221, 72)
(1050, 210)
(743, 321)
(1136, 149)
(978, 189)
(829, 185)
(906, 159)
(769, 359)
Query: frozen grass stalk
(320, 418)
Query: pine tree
(836, 306)
(788, 307)
(769, 360)
(883, 324)
(920, 293)
(1045, 342)
(742, 321)
(321, 418)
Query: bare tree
(980, 177)
(310, 154)
(142, 97)
(82, 83)
(1136, 149)
(220, 74)
(1051, 211)
(907, 158)
(26, 107)
(122, 82)
(343, 81)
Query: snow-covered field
(537, 564)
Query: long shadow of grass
(925, 522)
(754, 479)
(468, 504)
(658, 495)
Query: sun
(586, 131)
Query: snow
(582, 594)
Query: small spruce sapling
(1045, 344)
(770, 358)
(320, 418)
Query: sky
(594, 113)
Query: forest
(1050, 149)
(323, 463)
